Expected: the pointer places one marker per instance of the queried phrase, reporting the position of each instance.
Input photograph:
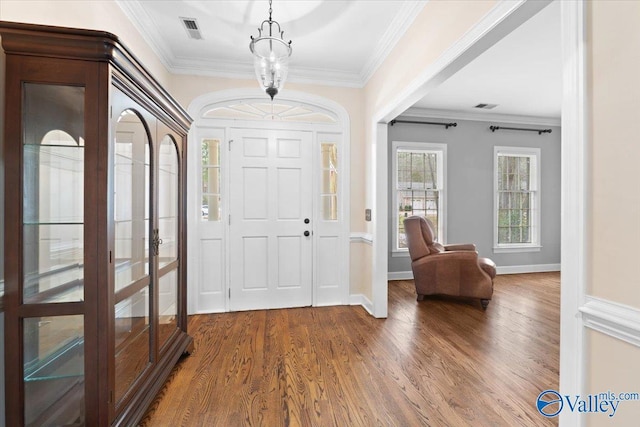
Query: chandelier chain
(270, 10)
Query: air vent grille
(191, 25)
(486, 106)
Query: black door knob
(306, 221)
(306, 233)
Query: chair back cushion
(429, 232)
(419, 234)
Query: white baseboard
(611, 318)
(507, 269)
(400, 275)
(534, 268)
(359, 299)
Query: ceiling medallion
(271, 56)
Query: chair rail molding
(611, 318)
(359, 237)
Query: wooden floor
(440, 362)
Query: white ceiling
(338, 42)
(522, 73)
(334, 42)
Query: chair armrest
(444, 257)
(460, 247)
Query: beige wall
(614, 69)
(613, 367)
(438, 26)
(613, 65)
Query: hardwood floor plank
(438, 362)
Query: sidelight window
(211, 206)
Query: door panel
(270, 257)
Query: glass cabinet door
(53, 252)
(132, 218)
(168, 230)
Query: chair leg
(485, 303)
(420, 297)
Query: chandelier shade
(271, 56)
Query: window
(517, 199)
(419, 173)
(211, 208)
(329, 189)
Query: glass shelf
(53, 369)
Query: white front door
(271, 219)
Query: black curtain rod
(446, 125)
(540, 131)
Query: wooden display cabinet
(95, 230)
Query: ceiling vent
(486, 106)
(191, 25)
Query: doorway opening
(269, 206)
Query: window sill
(516, 249)
(399, 254)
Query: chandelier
(271, 56)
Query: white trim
(611, 318)
(143, 22)
(500, 270)
(359, 299)
(199, 105)
(575, 170)
(234, 70)
(405, 16)
(441, 151)
(532, 268)
(504, 17)
(341, 130)
(400, 275)
(176, 64)
(400, 253)
(489, 30)
(575, 205)
(379, 179)
(479, 116)
(514, 249)
(535, 173)
(358, 237)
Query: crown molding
(480, 116)
(233, 70)
(237, 70)
(149, 32)
(398, 27)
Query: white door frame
(503, 18)
(339, 132)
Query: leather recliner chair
(454, 270)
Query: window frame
(219, 167)
(535, 186)
(441, 155)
